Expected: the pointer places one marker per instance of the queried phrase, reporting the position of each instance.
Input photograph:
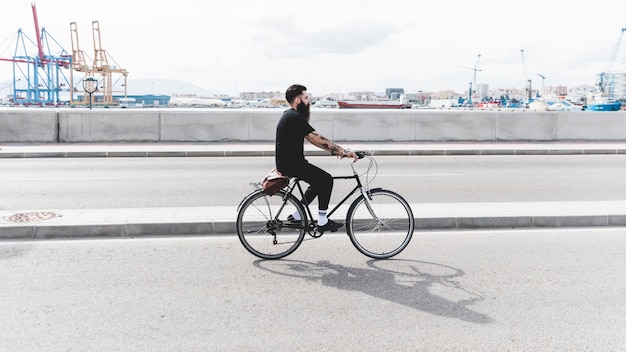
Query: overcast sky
(339, 45)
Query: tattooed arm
(324, 143)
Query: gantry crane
(102, 66)
(106, 75)
(79, 63)
(38, 79)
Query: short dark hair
(293, 91)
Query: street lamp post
(90, 85)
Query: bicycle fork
(368, 205)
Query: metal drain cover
(32, 217)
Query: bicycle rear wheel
(382, 229)
(263, 228)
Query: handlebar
(372, 166)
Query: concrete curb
(234, 149)
(43, 231)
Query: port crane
(543, 79)
(529, 86)
(107, 76)
(79, 63)
(605, 81)
(475, 69)
(38, 79)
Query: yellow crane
(99, 78)
(79, 64)
(102, 66)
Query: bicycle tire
(265, 232)
(386, 237)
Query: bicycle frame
(359, 186)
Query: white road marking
(419, 175)
(64, 179)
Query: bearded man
(292, 129)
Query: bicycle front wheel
(263, 227)
(380, 226)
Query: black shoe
(330, 226)
(291, 219)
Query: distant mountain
(164, 86)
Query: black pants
(320, 184)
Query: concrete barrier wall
(105, 126)
(17, 126)
(32, 125)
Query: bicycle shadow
(425, 286)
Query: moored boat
(604, 106)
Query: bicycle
(379, 222)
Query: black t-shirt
(290, 132)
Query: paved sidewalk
(88, 223)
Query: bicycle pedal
(316, 234)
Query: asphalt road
(71, 183)
(541, 290)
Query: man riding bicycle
(292, 129)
